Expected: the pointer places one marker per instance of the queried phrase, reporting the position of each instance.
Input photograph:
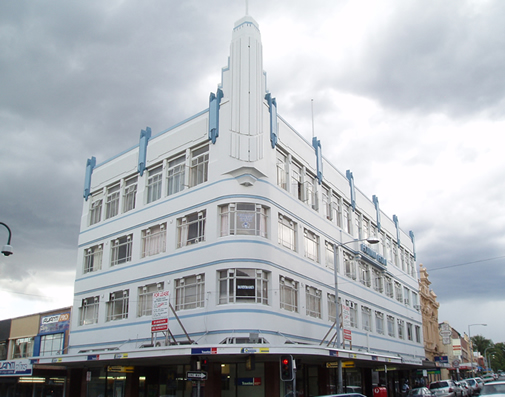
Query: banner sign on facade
(16, 368)
(55, 323)
(161, 305)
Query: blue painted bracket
(377, 212)
(413, 238)
(397, 224)
(144, 139)
(350, 177)
(319, 158)
(90, 165)
(272, 103)
(214, 102)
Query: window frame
(191, 228)
(313, 301)
(288, 294)
(154, 182)
(234, 214)
(154, 240)
(118, 306)
(287, 233)
(190, 292)
(93, 259)
(233, 281)
(118, 257)
(176, 174)
(89, 309)
(145, 298)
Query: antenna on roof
(247, 7)
(312, 108)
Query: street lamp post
(7, 249)
(488, 364)
(336, 266)
(471, 343)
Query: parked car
(494, 389)
(475, 384)
(466, 390)
(343, 395)
(488, 378)
(445, 388)
(420, 392)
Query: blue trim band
(90, 165)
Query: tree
(480, 344)
(499, 356)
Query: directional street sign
(196, 375)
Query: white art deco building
(241, 220)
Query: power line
(467, 263)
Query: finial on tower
(247, 7)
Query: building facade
(211, 248)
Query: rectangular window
(175, 175)
(353, 313)
(313, 302)
(117, 306)
(389, 287)
(311, 243)
(336, 209)
(406, 296)
(93, 258)
(418, 333)
(51, 345)
(287, 232)
(95, 212)
(190, 292)
(154, 240)
(398, 292)
(346, 221)
(349, 266)
(364, 274)
(366, 318)
(296, 181)
(199, 165)
(415, 299)
(379, 322)
(23, 347)
(281, 170)
(310, 196)
(243, 286)
(325, 196)
(130, 194)
(391, 326)
(330, 256)
(154, 180)
(191, 229)
(145, 300)
(112, 201)
(401, 329)
(89, 310)
(332, 311)
(288, 294)
(243, 219)
(410, 333)
(378, 282)
(121, 250)
(356, 231)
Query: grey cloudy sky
(410, 96)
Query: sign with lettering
(16, 368)
(248, 381)
(54, 323)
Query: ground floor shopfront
(226, 372)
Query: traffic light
(286, 368)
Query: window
(243, 218)
(391, 326)
(95, 212)
(130, 194)
(349, 266)
(332, 311)
(191, 229)
(287, 232)
(51, 345)
(117, 306)
(415, 300)
(23, 347)
(313, 302)
(366, 318)
(145, 301)
(243, 286)
(310, 196)
(175, 175)
(199, 165)
(356, 231)
(346, 221)
(190, 292)
(401, 329)
(154, 240)
(89, 310)
(379, 322)
(336, 209)
(353, 313)
(325, 196)
(112, 202)
(296, 181)
(330, 256)
(389, 287)
(288, 294)
(281, 170)
(93, 258)
(364, 274)
(398, 292)
(406, 296)
(311, 242)
(121, 250)
(378, 284)
(410, 334)
(418, 333)
(154, 179)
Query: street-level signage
(248, 382)
(16, 368)
(196, 375)
(159, 325)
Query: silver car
(445, 388)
